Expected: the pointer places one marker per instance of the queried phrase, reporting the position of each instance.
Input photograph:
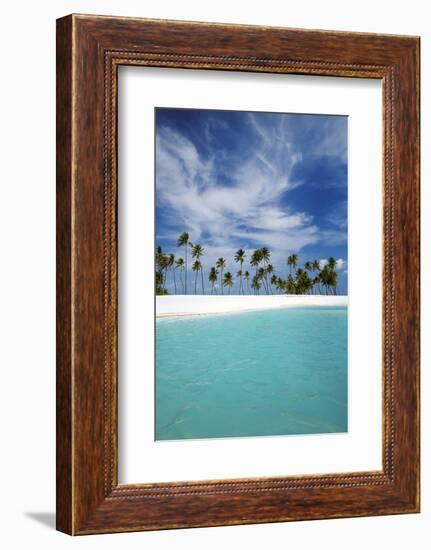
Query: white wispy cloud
(339, 264)
(246, 211)
(337, 216)
(229, 200)
(333, 142)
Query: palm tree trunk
(185, 277)
(266, 278)
(202, 280)
(221, 277)
(175, 282)
(165, 278)
(196, 282)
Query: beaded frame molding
(89, 51)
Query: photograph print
(251, 274)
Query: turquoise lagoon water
(274, 372)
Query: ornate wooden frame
(89, 51)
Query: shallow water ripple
(273, 372)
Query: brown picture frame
(89, 51)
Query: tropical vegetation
(314, 277)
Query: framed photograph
(237, 274)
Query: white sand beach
(180, 305)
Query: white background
(141, 458)
(27, 125)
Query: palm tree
(159, 252)
(328, 276)
(158, 277)
(239, 275)
(316, 281)
(310, 278)
(183, 240)
(266, 254)
(316, 269)
(239, 258)
(196, 267)
(304, 283)
(281, 284)
(255, 284)
(221, 264)
(212, 278)
(299, 279)
(274, 282)
(333, 276)
(169, 262)
(228, 280)
(269, 270)
(332, 262)
(198, 252)
(325, 278)
(290, 285)
(159, 260)
(247, 277)
(179, 264)
(334, 279)
(159, 283)
(163, 264)
(308, 266)
(173, 262)
(261, 273)
(256, 258)
(292, 262)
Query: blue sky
(248, 179)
